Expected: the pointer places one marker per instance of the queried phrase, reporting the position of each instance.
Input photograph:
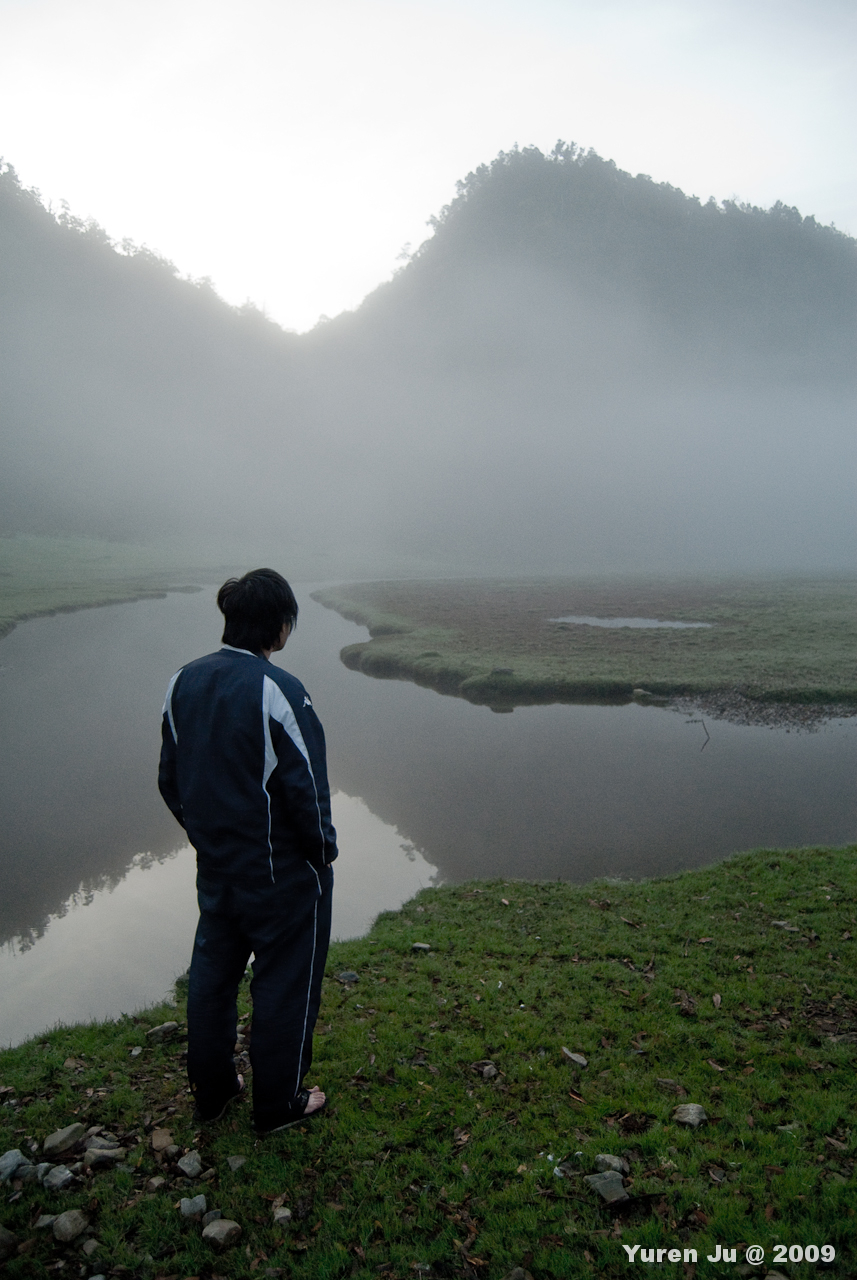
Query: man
(243, 769)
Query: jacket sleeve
(167, 779)
(300, 773)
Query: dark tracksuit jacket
(243, 768)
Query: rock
(208, 1176)
(615, 1164)
(58, 1179)
(155, 1184)
(8, 1244)
(420, 946)
(489, 1071)
(90, 1247)
(347, 975)
(42, 1170)
(63, 1140)
(577, 1059)
(69, 1225)
(9, 1162)
(236, 1162)
(104, 1141)
(103, 1157)
(222, 1233)
(26, 1172)
(609, 1186)
(213, 1215)
(161, 1032)
(46, 1220)
(193, 1207)
(172, 1152)
(671, 1086)
(282, 1215)
(191, 1164)
(690, 1113)
(161, 1139)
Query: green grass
(492, 642)
(40, 575)
(422, 1167)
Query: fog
(580, 371)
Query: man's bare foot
(316, 1101)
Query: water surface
(97, 908)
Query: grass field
(729, 987)
(40, 575)
(493, 642)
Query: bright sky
(289, 149)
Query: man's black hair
(256, 608)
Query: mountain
(579, 371)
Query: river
(97, 910)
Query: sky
(291, 150)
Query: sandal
(295, 1114)
(200, 1118)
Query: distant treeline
(580, 369)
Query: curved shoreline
(494, 667)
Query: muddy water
(97, 909)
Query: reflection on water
(639, 624)
(118, 949)
(549, 791)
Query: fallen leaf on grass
(769, 1212)
(576, 1097)
(715, 1065)
(632, 923)
(717, 1000)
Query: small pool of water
(638, 623)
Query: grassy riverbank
(494, 642)
(41, 575)
(730, 987)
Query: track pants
(286, 928)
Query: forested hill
(579, 370)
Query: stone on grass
(42, 1170)
(212, 1216)
(26, 1172)
(155, 1184)
(63, 1140)
(690, 1113)
(615, 1164)
(89, 1247)
(191, 1164)
(161, 1139)
(608, 1185)
(236, 1162)
(9, 1162)
(162, 1031)
(46, 1220)
(489, 1071)
(576, 1059)
(282, 1215)
(69, 1225)
(222, 1233)
(192, 1206)
(103, 1157)
(8, 1243)
(420, 946)
(101, 1142)
(58, 1178)
(347, 975)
